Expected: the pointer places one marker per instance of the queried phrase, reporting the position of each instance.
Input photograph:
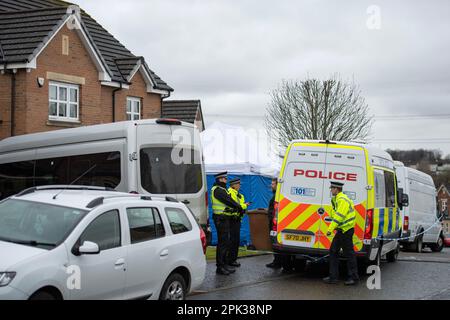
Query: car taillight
(406, 224)
(275, 216)
(203, 240)
(369, 225)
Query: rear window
(160, 175)
(178, 220)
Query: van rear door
(170, 164)
(347, 164)
(301, 196)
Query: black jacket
(270, 211)
(222, 195)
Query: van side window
(15, 177)
(178, 220)
(390, 189)
(145, 224)
(104, 231)
(380, 190)
(161, 175)
(100, 169)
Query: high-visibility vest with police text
(343, 215)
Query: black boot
(329, 280)
(229, 269)
(222, 271)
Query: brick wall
(95, 100)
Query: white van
(303, 201)
(421, 226)
(131, 156)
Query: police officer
(235, 222)
(343, 222)
(276, 263)
(223, 206)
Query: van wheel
(42, 295)
(418, 244)
(439, 245)
(392, 256)
(174, 288)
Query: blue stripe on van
(391, 217)
(381, 219)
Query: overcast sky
(231, 54)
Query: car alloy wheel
(175, 291)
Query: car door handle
(164, 253)
(186, 202)
(119, 263)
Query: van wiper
(32, 243)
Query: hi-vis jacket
(222, 202)
(343, 215)
(239, 198)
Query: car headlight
(6, 278)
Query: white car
(88, 243)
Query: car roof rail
(95, 203)
(26, 191)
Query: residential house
(60, 68)
(444, 206)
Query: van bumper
(311, 253)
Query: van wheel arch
(47, 293)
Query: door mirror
(89, 248)
(405, 200)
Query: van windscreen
(162, 174)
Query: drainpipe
(13, 100)
(114, 102)
(162, 100)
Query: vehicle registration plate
(297, 237)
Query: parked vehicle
(421, 225)
(303, 201)
(72, 243)
(132, 156)
(447, 240)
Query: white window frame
(130, 113)
(68, 103)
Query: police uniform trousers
(344, 241)
(235, 238)
(222, 223)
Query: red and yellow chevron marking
(302, 216)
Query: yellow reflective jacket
(239, 198)
(343, 215)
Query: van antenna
(85, 173)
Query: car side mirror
(89, 248)
(405, 200)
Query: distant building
(444, 206)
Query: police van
(421, 225)
(303, 201)
(156, 157)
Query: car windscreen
(37, 224)
(162, 174)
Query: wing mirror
(89, 248)
(405, 200)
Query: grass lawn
(243, 252)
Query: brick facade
(31, 112)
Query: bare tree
(314, 109)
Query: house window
(64, 102)
(133, 108)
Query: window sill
(62, 123)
